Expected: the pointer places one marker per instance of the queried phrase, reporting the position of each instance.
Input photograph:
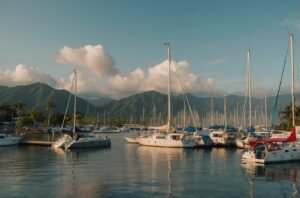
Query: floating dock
(35, 143)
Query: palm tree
(50, 105)
(5, 112)
(19, 108)
(286, 117)
(35, 115)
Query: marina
(149, 99)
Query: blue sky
(209, 40)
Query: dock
(35, 143)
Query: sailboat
(8, 140)
(276, 150)
(87, 140)
(163, 136)
(221, 137)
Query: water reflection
(284, 174)
(81, 173)
(273, 172)
(161, 165)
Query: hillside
(134, 108)
(36, 95)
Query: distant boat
(107, 129)
(163, 136)
(8, 140)
(80, 141)
(218, 137)
(203, 141)
(242, 142)
(222, 136)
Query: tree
(35, 115)
(50, 105)
(57, 118)
(286, 117)
(6, 112)
(19, 108)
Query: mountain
(98, 102)
(134, 108)
(35, 96)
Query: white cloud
(94, 58)
(120, 85)
(24, 74)
(86, 84)
(156, 78)
(130, 83)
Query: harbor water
(130, 170)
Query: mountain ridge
(137, 107)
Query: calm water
(128, 170)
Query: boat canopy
(291, 138)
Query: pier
(35, 143)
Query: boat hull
(161, 141)
(10, 141)
(131, 140)
(288, 153)
(89, 144)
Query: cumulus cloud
(24, 74)
(86, 84)
(156, 78)
(93, 58)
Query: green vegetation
(286, 118)
(38, 104)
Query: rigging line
(185, 96)
(244, 110)
(276, 100)
(66, 111)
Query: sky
(117, 46)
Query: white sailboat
(164, 137)
(222, 137)
(86, 140)
(8, 140)
(276, 150)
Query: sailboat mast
(169, 88)
(292, 69)
(75, 93)
(225, 113)
(104, 118)
(184, 115)
(212, 110)
(266, 112)
(249, 86)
